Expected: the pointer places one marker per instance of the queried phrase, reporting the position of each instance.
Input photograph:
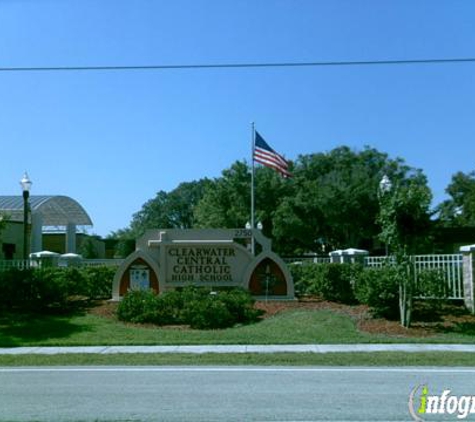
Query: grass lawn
(292, 326)
(89, 330)
(287, 359)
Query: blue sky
(111, 140)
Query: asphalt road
(220, 393)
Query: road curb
(223, 349)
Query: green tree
(332, 200)
(335, 200)
(88, 249)
(404, 218)
(170, 210)
(227, 201)
(123, 241)
(459, 210)
(405, 215)
(167, 210)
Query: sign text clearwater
(201, 263)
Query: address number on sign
(242, 233)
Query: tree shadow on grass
(35, 328)
(425, 314)
(462, 328)
(450, 318)
(437, 311)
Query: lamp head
(385, 185)
(25, 183)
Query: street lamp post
(249, 227)
(25, 183)
(385, 187)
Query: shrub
(52, 287)
(330, 281)
(431, 284)
(379, 289)
(301, 277)
(39, 288)
(139, 306)
(207, 313)
(98, 281)
(198, 307)
(17, 288)
(33, 289)
(171, 305)
(241, 305)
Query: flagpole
(253, 137)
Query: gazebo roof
(55, 210)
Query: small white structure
(350, 255)
(70, 259)
(45, 258)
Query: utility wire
(240, 65)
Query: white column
(469, 276)
(71, 238)
(36, 232)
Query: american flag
(266, 156)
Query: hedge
(39, 288)
(332, 282)
(379, 289)
(197, 307)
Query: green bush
(431, 284)
(241, 305)
(52, 287)
(98, 281)
(33, 289)
(197, 307)
(330, 281)
(208, 313)
(138, 306)
(301, 278)
(379, 289)
(171, 305)
(39, 288)
(17, 287)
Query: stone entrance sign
(167, 259)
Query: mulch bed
(425, 323)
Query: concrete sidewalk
(275, 348)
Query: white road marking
(411, 370)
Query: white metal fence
(307, 260)
(101, 262)
(450, 267)
(22, 264)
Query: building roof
(55, 210)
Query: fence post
(468, 253)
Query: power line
(239, 65)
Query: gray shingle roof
(55, 210)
